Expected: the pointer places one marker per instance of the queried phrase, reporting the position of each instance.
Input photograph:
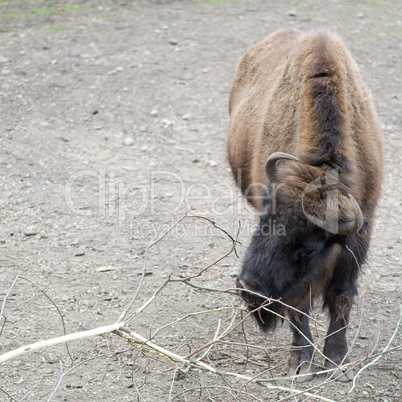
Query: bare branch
(154, 242)
(3, 305)
(78, 365)
(139, 341)
(380, 354)
(217, 387)
(55, 305)
(5, 392)
(201, 356)
(127, 309)
(233, 248)
(60, 340)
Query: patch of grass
(212, 2)
(56, 10)
(18, 15)
(52, 28)
(7, 3)
(14, 15)
(102, 17)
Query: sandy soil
(113, 119)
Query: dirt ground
(113, 125)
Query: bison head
(308, 211)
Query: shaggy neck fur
(322, 132)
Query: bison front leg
(301, 354)
(336, 346)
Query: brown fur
(302, 94)
(294, 91)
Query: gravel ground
(113, 120)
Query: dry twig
(197, 358)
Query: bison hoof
(302, 371)
(339, 374)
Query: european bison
(305, 147)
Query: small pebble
(106, 268)
(154, 113)
(173, 42)
(166, 123)
(128, 141)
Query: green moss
(14, 15)
(103, 17)
(56, 10)
(8, 3)
(18, 15)
(221, 1)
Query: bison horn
(271, 162)
(347, 228)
